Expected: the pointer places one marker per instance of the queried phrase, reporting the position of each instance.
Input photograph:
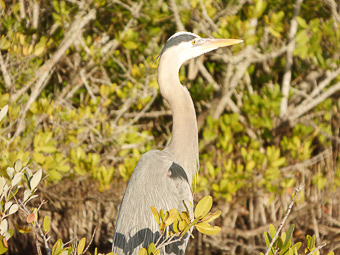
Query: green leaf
(18, 165)
(203, 207)
(289, 234)
(260, 7)
(152, 249)
(10, 172)
(161, 214)
(3, 226)
(36, 179)
(16, 179)
(212, 216)
(130, 45)
(46, 224)
(3, 249)
(3, 5)
(279, 243)
(267, 238)
(272, 230)
(310, 242)
(296, 246)
(143, 251)
(155, 215)
(171, 216)
(40, 47)
(8, 205)
(81, 246)
(181, 225)
(14, 208)
(175, 226)
(207, 229)
(302, 22)
(57, 247)
(23, 229)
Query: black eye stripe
(177, 40)
(176, 172)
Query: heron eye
(193, 42)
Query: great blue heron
(163, 179)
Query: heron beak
(217, 43)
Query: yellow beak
(217, 43)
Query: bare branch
(44, 73)
(207, 75)
(83, 78)
(325, 82)
(333, 6)
(22, 9)
(36, 10)
(228, 90)
(309, 162)
(252, 55)
(306, 106)
(5, 74)
(206, 16)
(289, 61)
(173, 8)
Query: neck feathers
(183, 145)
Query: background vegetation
(82, 108)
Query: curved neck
(183, 145)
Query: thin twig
(168, 241)
(83, 78)
(88, 246)
(297, 190)
(48, 251)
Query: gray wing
(156, 181)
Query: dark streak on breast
(176, 171)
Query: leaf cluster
(174, 225)
(284, 244)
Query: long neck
(183, 145)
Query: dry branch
(5, 74)
(289, 61)
(306, 106)
(206, 16)
(44, 73)
(332, 4)
(309, 162)
(173, 8)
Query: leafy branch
(174, 225)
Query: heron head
(184, 45)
